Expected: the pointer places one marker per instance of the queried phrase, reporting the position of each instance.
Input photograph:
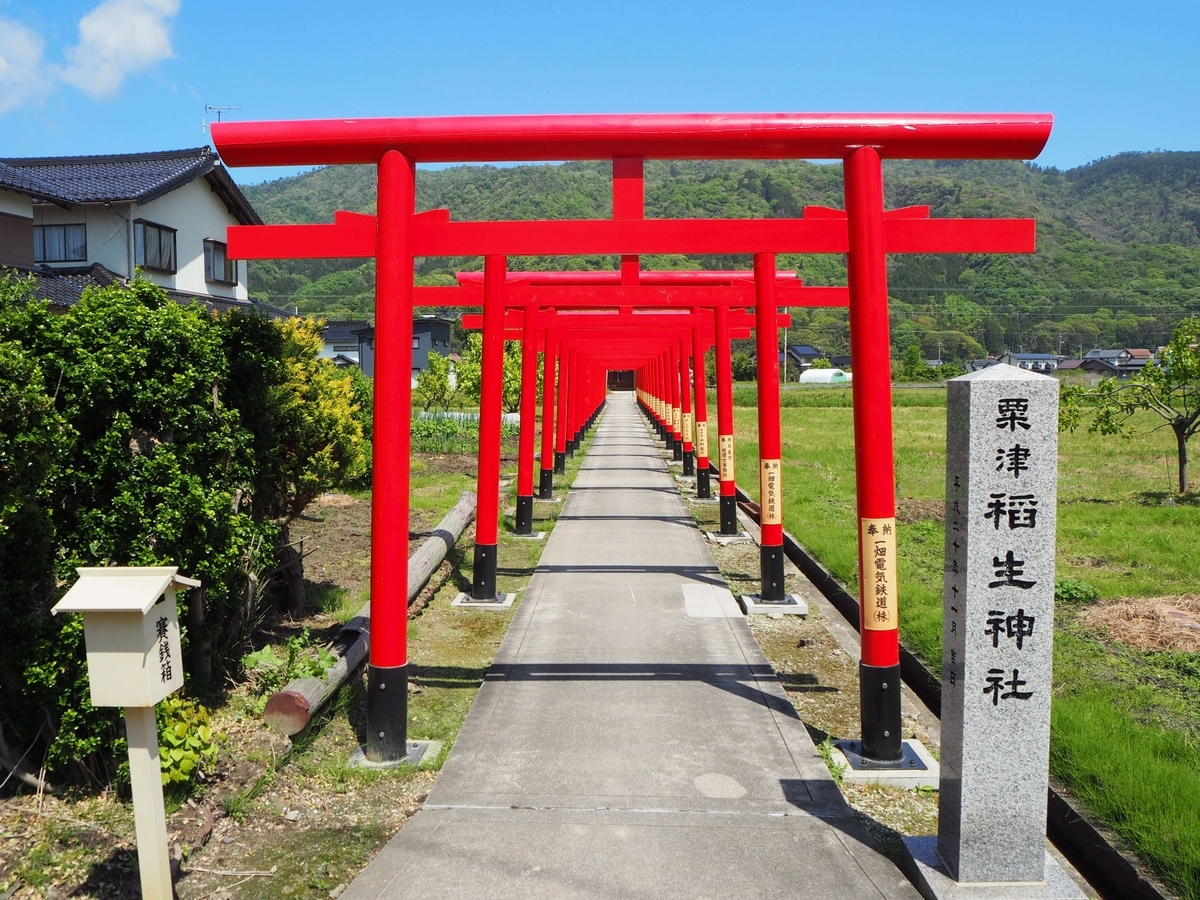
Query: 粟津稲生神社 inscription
(1001, 483)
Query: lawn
(1126, 724)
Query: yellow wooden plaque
(676, 421)
(770, 483)
(725, 463)
(877, 543)
(702, 440)
(687, 426)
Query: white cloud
(117, 38)
(23, 77)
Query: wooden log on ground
(291, 709)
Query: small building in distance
(164, 213)
(76, 222)
(802, 355)
(1034, 362)
(430, 334)
(340, 341)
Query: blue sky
(110, 76)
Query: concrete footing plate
(706, 501)
(923, 867)
(418, 752)
(502, 601)
(536, 536)
(728, 540)
(754, 605)
(548, 500)
(918, 769)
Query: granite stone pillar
(1001, 484)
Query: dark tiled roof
(1070, 364)
(342, 332)
(23, 182)
(64, 286)
(139, 177)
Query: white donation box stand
(131, 629)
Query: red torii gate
(397, 234)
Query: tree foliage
(1169, 388)
(433, 384)
(138, 431)
(743, 367)
(470, 373)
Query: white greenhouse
(825, 376)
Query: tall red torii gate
(397, 234)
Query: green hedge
(138, 431)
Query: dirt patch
(914, 509)
(448, 463)
(452, 463)
(336, 542)
(1154, 624)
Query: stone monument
(1001, 485)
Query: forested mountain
(1118, 259)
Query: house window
(60, 243)
(416, 343)
(154, 247)
(218, 266)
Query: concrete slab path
(631, 739)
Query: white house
(99, 218)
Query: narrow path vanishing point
(631, 739)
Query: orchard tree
(433, 384)
(743, 366)
(1169, 388)
(913, 366)
(470, 372)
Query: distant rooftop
(127, 177)
(64, 286)
(24, 182)
(343, 332)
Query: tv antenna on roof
(218, 110)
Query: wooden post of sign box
(131, 630)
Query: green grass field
(1126, 725)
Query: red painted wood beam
(618, 298)
(697, 277)
(350, 237)
(649, 136)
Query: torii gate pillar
(387, 665)
(874, 463)
(725, 467)
(549, 363)
(703, 490)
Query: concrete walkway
(631, 740)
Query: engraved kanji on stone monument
(1001, 481)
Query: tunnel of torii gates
(710, 310)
